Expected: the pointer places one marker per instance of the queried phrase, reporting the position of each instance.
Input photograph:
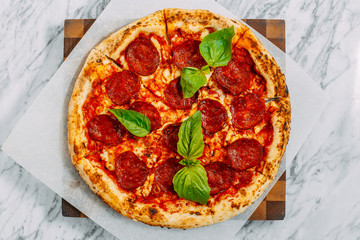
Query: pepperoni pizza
(245, 119)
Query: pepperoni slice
(187, 54)
(174, 96)
(170, 134)
(243, 177)
(142, 56)
(213, 114)
(106, 129)
(245, 153)
(220, 176)
(235, 77)
(247, 111)
(122, 86)
(242, 55)
(130, 171)
(165, 172)
(150, 111)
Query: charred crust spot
(98, 60)
(234, 205)
(134, 27)
(253, 43)
(138, 23)
(76, 150)
(203, 22)
(195, 213)
(153, 211)
(233, 20)
(216, 18)
(243, 192)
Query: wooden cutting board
(273, 206)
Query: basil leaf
(191, 183)
(192, 79)
(191, 144)
(135, 122)
(217, 46)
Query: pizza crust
(196, 24)
(229, 205)
(179, 213)
(195, 21)
(97, 67)
(117, 42)
(115, 45)
(265, 64)
(105, 187)
(281, 120)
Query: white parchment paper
(39, 140)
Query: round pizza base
(104, 60)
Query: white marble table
(323, 197)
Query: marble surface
(323, 200)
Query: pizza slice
(258, 127)
(87, 102)
(187, 28)
(142, 47)
(264, 65)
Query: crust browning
(194, 21)
(118, 41)
(154, 26)
(178, 214)
(281, 120)
(104, 187)
(232, 204)
(265, 64)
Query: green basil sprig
(216, 49)
(135, 122)
(217, 46)
(191, 144)
(191, 181)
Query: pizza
(179, 119)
